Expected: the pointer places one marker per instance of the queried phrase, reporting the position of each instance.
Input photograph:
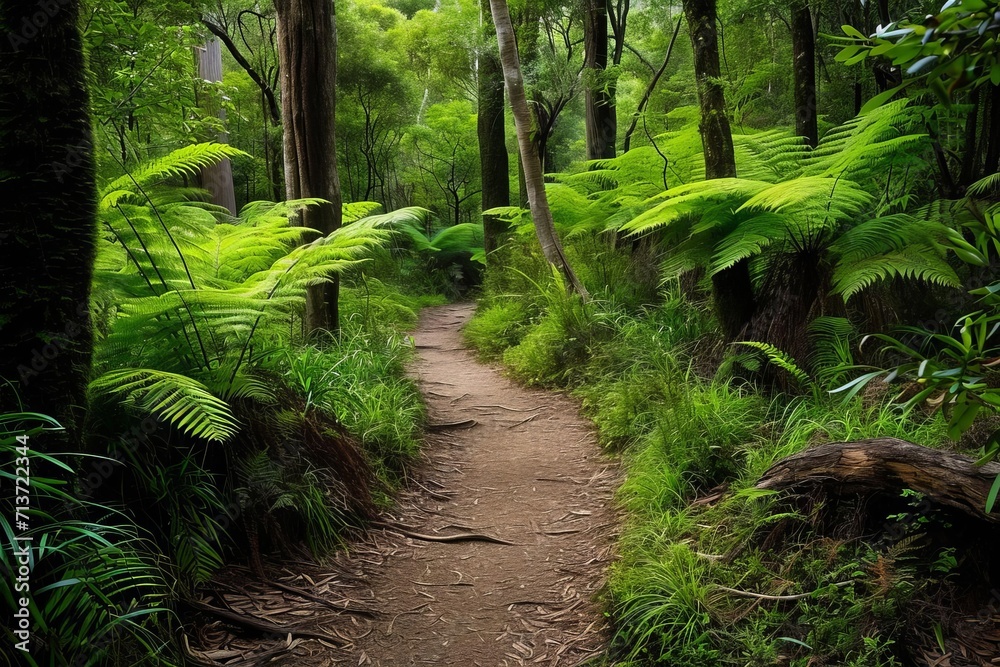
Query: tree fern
(185, 289)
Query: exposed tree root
(459, 537)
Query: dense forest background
(743, 233)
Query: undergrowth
(699, 544)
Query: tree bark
(48, 234)
(601, 120)
(732, 288)
(716, 134)
(804, 72)
(530, 162)
(889, 465)
(216, 178)
(493, 158)
(991, 150)
(307, 49)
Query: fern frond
(833, 341)
(985, 186)
(186, 161)
(780, 359)
(818, 197)
(410, 215)
(466, 237)
(886, 234)
(507, 213)
(690, 198)
(748, 240)
(178, 399)
(354, 211)
(911, 262)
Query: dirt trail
(528, 474)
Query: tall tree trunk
(969, 154)
(530, 162)
(991, 149)
(527, 32)
(307, 48)
(216, 178)
(804, 72)
(601, 121)
(731, 288)
(48, 233)
(493, 158)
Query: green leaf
(991, 497)
(882, 98)
(851, 31)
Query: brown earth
(517, 475)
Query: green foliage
(496, 327)
(952, 370)
(360, 380)
(141, 87)
(445, 161)
(817, 208)
(185, 291)
(561, 341)
(95, 587)
(175, 398)
(952, 50)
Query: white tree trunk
(217, 178)
(530, 160)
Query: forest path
(528, 472)
(516, 475)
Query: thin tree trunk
(601, 122)
(991, 152)
(804, 72)
(732, 288)
(48, 233)
(531, 164)
(216, 178)
(969, 155)
(307, 48)
(493, 159)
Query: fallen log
(889, 465)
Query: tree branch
(223, 36)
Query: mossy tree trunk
(48, 234)
(732, 289)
